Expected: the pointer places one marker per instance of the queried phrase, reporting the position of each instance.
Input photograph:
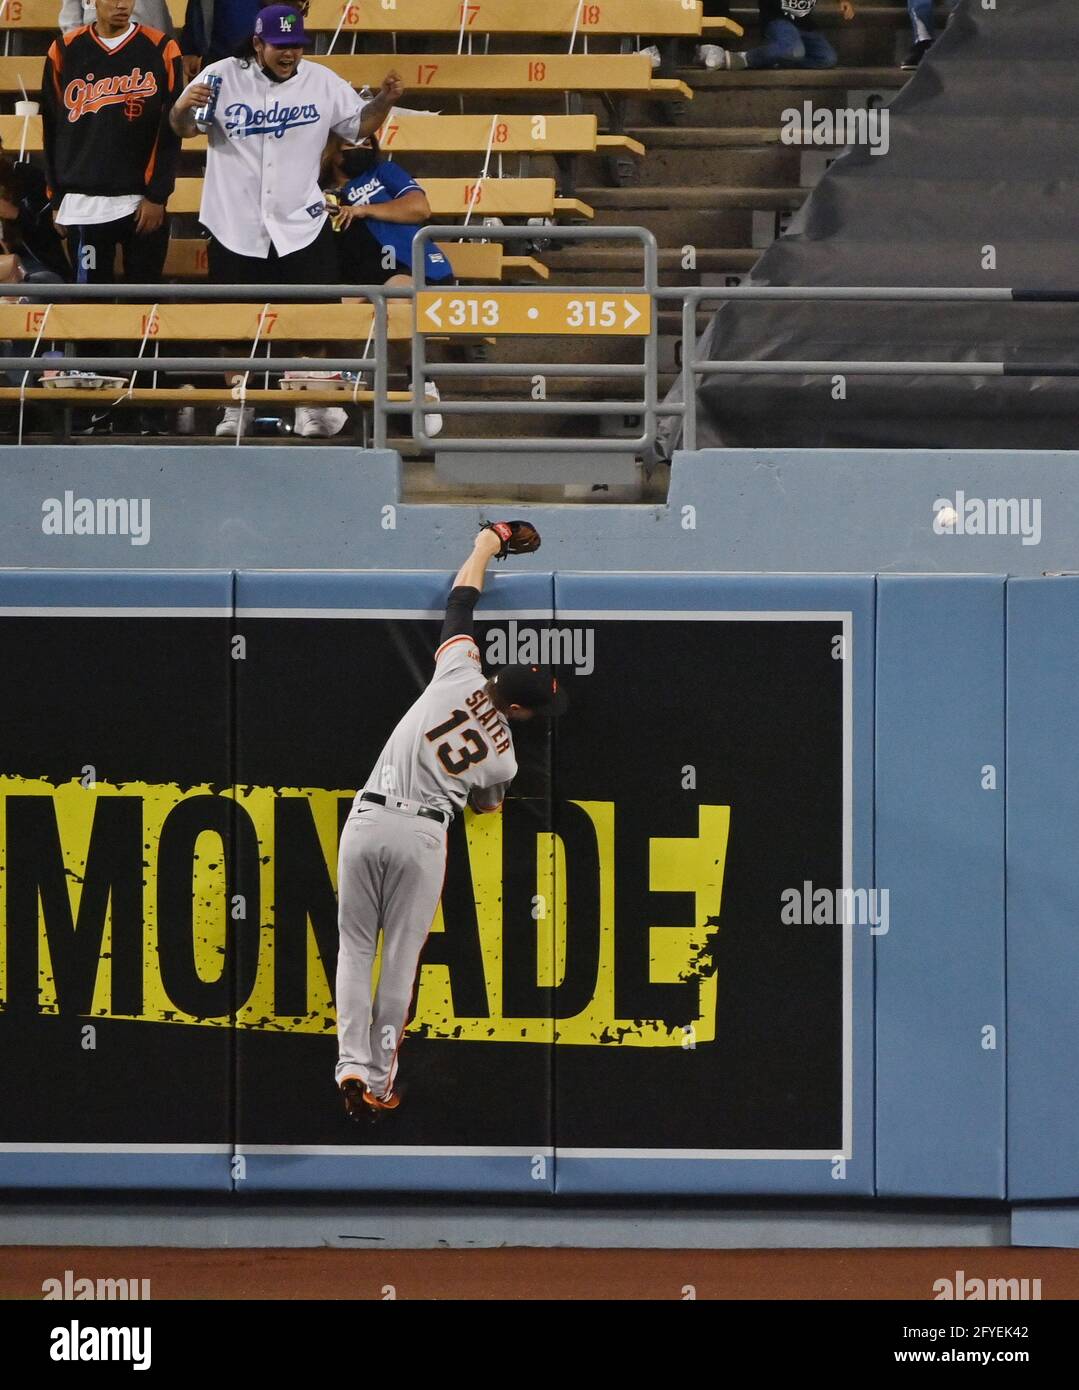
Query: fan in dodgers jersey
(453, 746)
(261, 201)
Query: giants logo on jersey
(85, 95)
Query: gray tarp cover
(984, 152)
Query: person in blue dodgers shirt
(261, 203)
(382, 207)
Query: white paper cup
(27, 108)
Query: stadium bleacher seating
(241, 324)
(470, 260)
(454, 198)
(610, 17)
(439, 134)
(454, 72)
(607, 17)
(592, 133)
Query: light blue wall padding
(1048, 1225)
(1043, 888)
(116, 1169)
(935, 682)
(116, 589)
(791, 511)
(940, 855)
(369, 1165)
(125, 1167)
(369, 1168)
(579, 1173)
(506, 591)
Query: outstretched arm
(467, 585)
(484, 548)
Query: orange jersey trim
(120, 46)
(170, 54)
(461, 637)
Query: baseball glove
(517, 537)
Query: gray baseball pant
(390, 872)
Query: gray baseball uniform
(392, 861)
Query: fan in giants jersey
(106, 94)
(454, 745)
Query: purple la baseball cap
(281, 27)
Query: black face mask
(359, 161)
(273, 75)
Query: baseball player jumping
(453, 745)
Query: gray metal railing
(691, 297)
(647, 371)
(203, 362)
(648, 407)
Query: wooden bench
(44, 15)
(193, 395)
(652, 17)
(452, 198)
(888, 16)
(660, 18)
(470, 260)
(206, 323)
(517, 73)
(553, 135)
(550, 135)
(348, 324)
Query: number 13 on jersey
(472, 746)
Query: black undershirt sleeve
(459, 606)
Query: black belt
(439, 816)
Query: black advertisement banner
(615, 963)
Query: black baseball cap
(535, 687)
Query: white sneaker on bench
(319, 421)
(432, 424)
(711, 56)
(230, 422)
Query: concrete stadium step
(566, 350)
(762, 163)
(585, 388)
(728, 100)
(702, 228)
(422, 484)
(667, 137)
(668, 197)
(856, 45)
(827, 79)
(585, 260)
(772, 165)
